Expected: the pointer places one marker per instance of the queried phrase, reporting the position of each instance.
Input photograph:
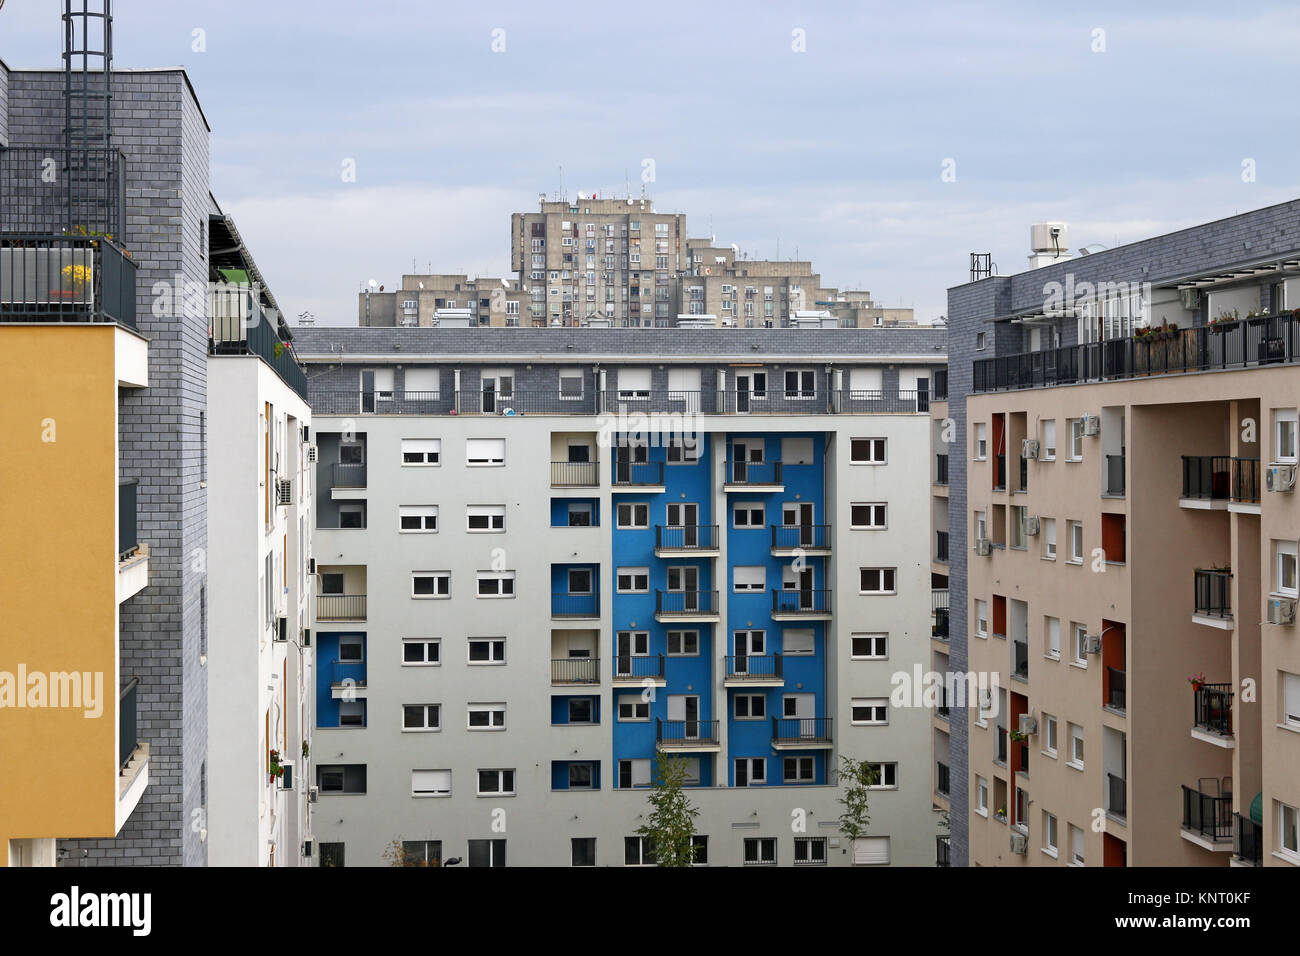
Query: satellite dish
(421, 285)
(372, 283)
(505, 284)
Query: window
(580, 581)
(341, 778)
(1079, 643)
(1049, 735)
(867, 451)
(683, 449)
(981, 526)
(1284, 433)
(421, 451)
(750, 707)
(431, 584)
(760, 851)
(1290, 699)
(981, 796)
(421, 383)
(582, 851)
(633, 580)
(981, 618)
(582, 710)
(981, 441)
(570, 384)
(886, 776)
(496, 584)
(798, 769)
(870, 710)
(869, 647)
(797, 641)
(748, 514)
(579, 514)
(1049, 538)
(1076, 438)
(809, 851)
(487, 650)
(800, 383)
(485, 518)
(1052, 637)
(352, 713)
(496, 783)
(633, 383)
(1286, 567)
(1288, 830)
(981, 341)
(430, 783)
(867, 514)
(417, 518)
(487, 716)
(485, 451)
(876, 581)
(1076, 845)
(421, 717)
(699, 850)
(633, 515)
(633, 773)
(749, 578)
(683, 643)
(1076, 746)
(421, 651)
(421, 852)
(1049, 440)
(1018, 513)
(632, 708)
(483, 853)
(1049, 834)
(750, 771)
(1075, 530)
(352, 515)
(638, 851)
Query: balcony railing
(941, 546)
(46, 278)
(1000, 472)
(753, 473)
(686, 732)
(638, 473)
(1020, 659)
(686, 603)
(259, 335)
(801, 601)
(348, 673)
(1115, 475)
(1207, 477)
(564, 604)
(790, 537)
(797, 730)
(1117, 688)
(1245, 480)
(758, 667)
(1212, 590)
(1261, 340)
(941, 627)
(56, 190)
(127, 732)
(1212, 704)
(347, 475)
(942, 851)
(629, 667)
(575, 474)
(940, 469)
(128, 535)
(1207, 815)
(1116, 795)
(1247, 840)
(340, 607)
(941, 779)
(575, 670)
(1024, 475)
(686, 537)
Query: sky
(883, 141)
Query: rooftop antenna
(561, 196)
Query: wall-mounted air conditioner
(983, 547)
(284, 491)
(1019, 843)
(1281, 610)
(1091, 425)
(1028, 724)
(1029, 448)
(1093, 643)
(1279, 477)
(1031, 525)
(313, 794)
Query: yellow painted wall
(58, 575)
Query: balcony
(71, 278)
(689, 540)
(132, 556)
(1211, 594)
(1212, 713)
(941, 385)
(1207, 819)
(699, 736)
(340, 607)
(941, 779)
(638, 475)
(1206, 479)
(1116, 796)
(699, 606)
(941, 547)
(941, 469)
(575, 474)
(810, 540)
(801, 733)
(132, 755)
(128, 738)
(748, 670)
(567, 671)
(943, 851)
(566, 606)
(347, 475)
(1247, 841)
(1116, 689)
(1245, 480)
(241, 327)
(801, 604)
(1114, 476)
(1020, 660)
(939, 609)
(761, 476)
(637, 669)
(347, 679)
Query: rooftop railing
(69, 278)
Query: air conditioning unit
(1093, 643)
(1279, 477)
(284, 491)
(286, 779)
(313, 794)
(1281, 610)
(1028, 724)
(1031, 525)
(312, 453)
(983, 547)
(1019, 843)
(1029, 448)
(282, 629)
(1091, 425)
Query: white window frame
(878, 516)
(632, 573)
(750, 763)
(1284, 423)
(981, 441)
(479, 454)
(801, 761)
(1288, 822)
(1051, 835)
(886, 775)
(1079, 644)
(812, 848)
(1285, 559)
(1049, 538)
(876, 639)
(981, 618)
(755, 579)
(1075, 426)
(789, 636)
(1049, 440)
(1077, 750)
(1051, 728)
(749, 509)
(749, 706)
(492, 710)
(501, 790)
(492, 643)
(426, 643)
(1052, 638)
(1076, 554)
(685, 637)
(429, 448)
(495, 515)
(438, 576)
(887, 580)
(877, 706)
(633, 506)
(638, 710)
(426, 728)
(981, 796)
(424, 513)
(570, 374)
(876, 443)
(431, 791)
(501, 578)
(805, 384)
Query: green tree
(672, 818)
(857, 776)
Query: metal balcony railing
(943, 851)
(754, 667)
(686, 537)
(1247, 840)
(258, 334)
(1212, 592)
(941, 627)
(128, 533)
(628, 666)
(340, 607)
(564, 604)
(796, 730)
(347, 475)
(753, 473)
(686, 732)
(941, 546)
(790, 537)
(128, 738)
(575, 474)
(575, 670)
(638, 473)
(1024, 475)
(1117, 688)
(1208, 815)
(1207, 476)
(1245, 480)
(801, 601)
(1000, 472)
(1020, 659)
(53, 189)
(348, 672)
(686, 603)
(941, 469)
(1212, 708)
(70, 278)
(1116, 795)
(1115, 475)
(941, 779)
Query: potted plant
(306, 750)
(277, 769)
(1001, 814)
(1018, 737)
(1197, 680)
(75, 277)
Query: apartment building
(545, 554)
(1123, 537)
(447, 300)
